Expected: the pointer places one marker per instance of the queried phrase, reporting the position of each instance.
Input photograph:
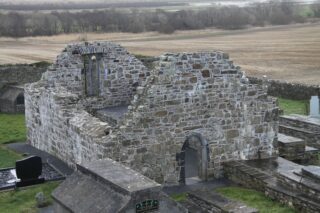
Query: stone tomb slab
(209, 200)
(108, 186)
(312, 171)
(291, 148)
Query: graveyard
(157, 139)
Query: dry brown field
(289, 53)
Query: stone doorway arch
(20, 99)
(194, 158)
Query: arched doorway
(193, 160)
(20, 99)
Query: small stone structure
(98, 101)
(300, 126)
(12, 80)
(12, 99)
(290, 147)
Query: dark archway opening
(93, 71)
(193, 160)
(20, 99)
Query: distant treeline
(86, 6)
(33, 24)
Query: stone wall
(288, 90)
(200, 93)
(20, 74)
(186, 94)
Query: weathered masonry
(98, 101)
(12, 80)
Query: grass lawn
(254, 199)
(12, 128)
(179, 197)
(294, 106)
(8, 157)
(23, 200)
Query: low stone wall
(288, 90)
(281, 183)
(292, 200)
(246, 176)
(21, 74)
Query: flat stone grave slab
(8, 176)
(206, 198)
(291, 148)
(312, 171)
(108, 186)
(303, 118)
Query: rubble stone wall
(288, 90)
(20, 74)
(186, 94)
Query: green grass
(179, 197)
(23, 200)
(12, 128)
(8, 157)
(293, 106)
(254, 199)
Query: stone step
(311, 138)
(283, 138)
(291, 148)
(214, 202)
(296, 129)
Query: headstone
(314, 107)
(28, 171)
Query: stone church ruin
(97, 101)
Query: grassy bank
(13, 128)
(300, 107)
(23, 200)
(254, 199)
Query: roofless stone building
(184, 118)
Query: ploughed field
(289, 52)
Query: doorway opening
(193, 160)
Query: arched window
(20, 99)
